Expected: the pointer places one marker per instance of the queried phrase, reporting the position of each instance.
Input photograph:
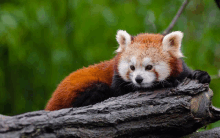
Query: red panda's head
(147, 58)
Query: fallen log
(173, 112)
(212, 133)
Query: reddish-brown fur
(149, 39)
(77, 82)
(176, 66)
(155, 40)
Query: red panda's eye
(148, 67)
(132, 67)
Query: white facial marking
(123, 69)
(146, 61)
(133, 61)
(148, 77)
(163, 70)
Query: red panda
(143, 62)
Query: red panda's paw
(201, 76)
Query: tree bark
(173, 112)
(213, 133)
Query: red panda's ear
(172, 43)
(124, 39)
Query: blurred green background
(41, 42)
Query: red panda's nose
(138, 79)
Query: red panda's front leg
(201, 76)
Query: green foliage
(41, 42)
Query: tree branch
(212, 133)
(169, 113)
(170, 27)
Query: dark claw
(190, 76)
(201, 76)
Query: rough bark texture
(163, 113)
(213, 133)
